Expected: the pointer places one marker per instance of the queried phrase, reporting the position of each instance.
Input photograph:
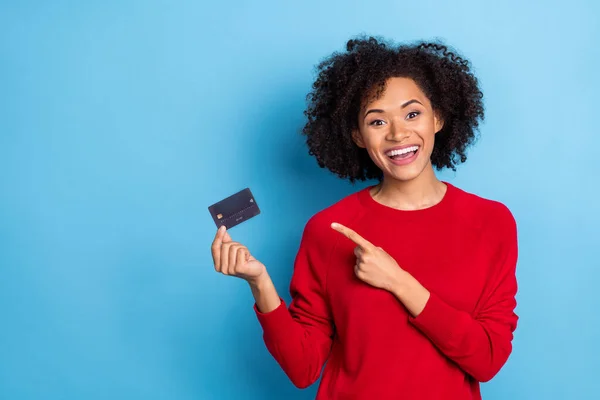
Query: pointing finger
(350, 234)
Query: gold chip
(219, 216)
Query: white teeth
(402, 151)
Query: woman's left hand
(373, 264)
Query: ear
(358, 139)
(438, 122)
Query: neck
(424, 191)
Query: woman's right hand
(233, 258)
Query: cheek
(375, 156)
(427, 132)
(372, 142)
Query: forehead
(398, 90)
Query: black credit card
(235, 209)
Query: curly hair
(347, 80)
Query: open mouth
(402, 154)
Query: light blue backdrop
(121, 121)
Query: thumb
(224, 235)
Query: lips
(399, 150)
(402, 155)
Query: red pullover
(463, 250)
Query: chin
(405, 173)
(403, 177)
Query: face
(398, 130)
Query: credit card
(235, 209)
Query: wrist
(401, 283)
(259, 283)
(409, 291)
(264, 293)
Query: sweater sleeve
(481, 343)
(300, 337)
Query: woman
(405, 289)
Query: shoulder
(344, 211)
(484, 212)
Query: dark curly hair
(347, 80)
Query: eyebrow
(408, 103)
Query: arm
(480, 344)
(265, 295)
(299, 338)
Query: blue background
(121, 121)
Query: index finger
(350, 234)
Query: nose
(398, 132)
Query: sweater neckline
(380, 209)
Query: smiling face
(398, 130)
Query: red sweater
(463, 250)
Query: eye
(377, 122)
(412, 115)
